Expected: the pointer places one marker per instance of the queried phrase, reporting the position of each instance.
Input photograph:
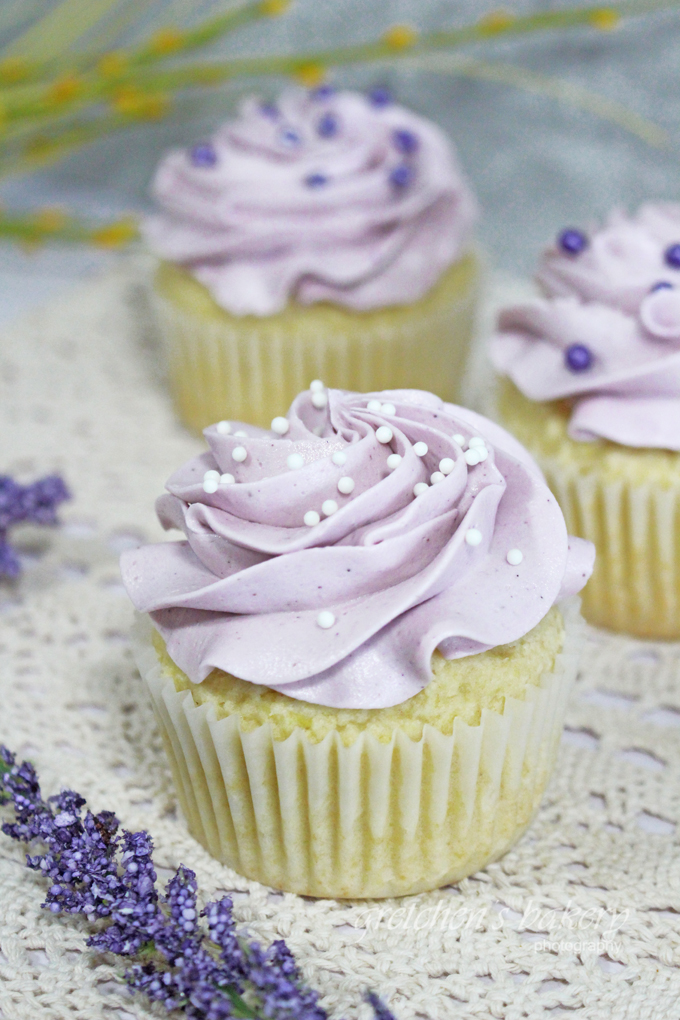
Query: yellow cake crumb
(460, 688)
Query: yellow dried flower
(496, 22)
(310, 75)
(49, 221)
(115, 235)
(605, 19)
(13, 69)
(400, 37)
(273, 8)
(132, 102)
(64, 89)
(166, 40)
(112, 64)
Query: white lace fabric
(581, 918)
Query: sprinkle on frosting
(339, 458)
(319, 399)
(325, 619)
(295, 461)
(316, 385)
(239, 454)
(447, 464)
(358, 203)
(227, 479)
(280, 426)
(393, 461)
(388, 408)
(514, 557)
(384, 434)
(223, 427)
(406, 575)
(420, 449)
(374, 405)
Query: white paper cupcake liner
(372, 819)
(635, 586)
(249, 369)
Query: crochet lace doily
(581, 918)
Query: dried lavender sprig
(212, 974)
(22, 504)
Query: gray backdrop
(536, 163)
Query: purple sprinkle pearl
(323, 92)
(380, 97)
(327, 126)
(402, 175)
(578, 358)
(661, 285)
(316, 180)
(573, 242)
(405, 141)
(672, 256)
(290, 137)
(203, 154)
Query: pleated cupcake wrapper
(372, 819)
(248, 370)
(635, 586)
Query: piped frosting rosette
(328, 558)
(324, 196)
(608, 338)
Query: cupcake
(592, 388)
(327, 236)
(359, 655)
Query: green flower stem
(35, 72)
(94, 88)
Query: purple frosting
(401, 574)
(319, 198)
(620, 300)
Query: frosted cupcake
(359, 656)
(326, 236)
(593, 390)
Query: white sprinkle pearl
(316, 385)
(319, 399)
(388, 409)
(239, 454)
(420, 449)
(393, 461)
(227, 479)
(476, 441)
(384, 434)
(241, 434)
(311, 518)
(419, 488)
(458, 439)
(211, 484)
(345, 485)
(295, 460)
(473, 536)
(325, 619)
(446, 465)
(373, 405)
(339, 458)
(329, 507)
(436, 477)
(211, 474)
(472, 457)
(223, 427)
(514, 557)
(481, 452)
(280, 425)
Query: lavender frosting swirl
(328, 558)
(607, 336)
(324, 197)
